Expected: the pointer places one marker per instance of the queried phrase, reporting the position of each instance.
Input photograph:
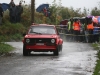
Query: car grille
(46, 41)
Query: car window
(42, 30)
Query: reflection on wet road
(75, 59)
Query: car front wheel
(25, 52)
(56, 52)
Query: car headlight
(52, 40)
(27, 40)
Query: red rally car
(42, 38)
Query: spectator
(1, 14)
(45, 11)
(96, 32)
(82, 30)
(69, 30)
(90, 31)
(48, 13)
(19, 11)
(13, 14)
(12, 2)
(69, 25)
(76, 26)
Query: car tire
(56, 52)
(25, 52)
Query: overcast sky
(67, 3)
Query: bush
(95, 46)
(5, 48)
(4, 38)
(97, 68)
(10, 31)
(13, 37)
(10, 28)
(16, 37)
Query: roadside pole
(32, 10)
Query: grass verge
(10, 38)
(5, 48)
(97, 68)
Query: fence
(70, 36)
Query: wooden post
(32, 10)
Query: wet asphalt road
(75, 59)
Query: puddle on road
(76, 62)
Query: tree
(64, 13)
(95, 12)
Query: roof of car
(42, 25)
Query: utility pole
(32, 10)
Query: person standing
(69, 30)
(1, 14)
(13, 13)
(90, 31)
(19, 11)
(96, 32)
(11, 2)
(76, 26)
(45, 11)
(82, 30)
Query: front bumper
(40, 48)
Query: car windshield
(42, 30)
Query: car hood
(41, 36)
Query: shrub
(10, 28)
(5, 48)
